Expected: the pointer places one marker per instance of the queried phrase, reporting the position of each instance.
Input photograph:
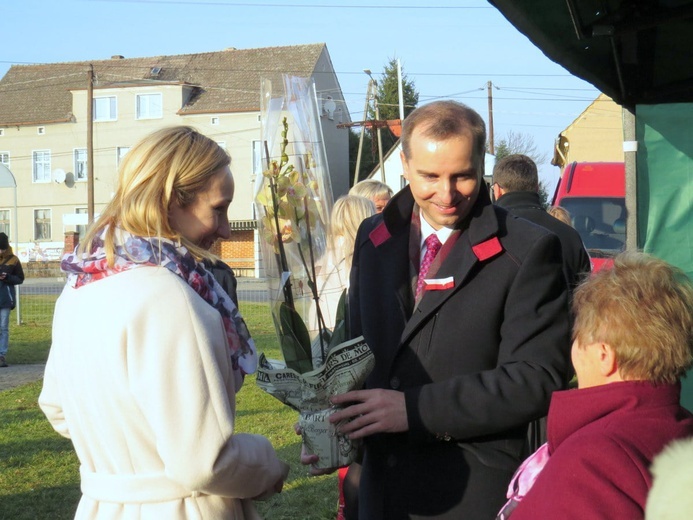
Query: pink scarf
(524, 479)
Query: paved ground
(16, 375)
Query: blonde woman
(347, 214)
(145, 384)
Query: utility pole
(90, 144)
(400, 91)
(491, 150)
(380, 139)
(363, 127)
(377, 121)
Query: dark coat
(225, 276)
(526, 204)
(10, 265)
(476, 361)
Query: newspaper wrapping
(346, 367)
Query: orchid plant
(293, 203)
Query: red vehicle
(594, 193)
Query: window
(257, 158)
(42, 224)
(42, 166)
(105, 109)
(5, 158)
(80, 164)
(5, 221)
(215, 120)
(41, 130)
(120, 153)
(149, 106)
(2, 132)
(81, 228)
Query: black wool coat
(526, 204)
(477, 359)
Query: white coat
(139, 377)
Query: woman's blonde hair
(643, 308)
(171, 165)
(347, 214)
(371, 189)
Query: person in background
(561, 214)
(516, 188)
(632, 344)
(379, 192)
(11, 274)
(347, 214)
(145, 384)
(465, 310)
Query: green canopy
(635, 51)
(639, 52)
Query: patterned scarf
(132, 251)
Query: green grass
(39, 476)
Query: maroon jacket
(602, 440)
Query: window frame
(148, 95)
(119, 155)
(6, 225)
(76, 162)
(49, 224)
(34, 164)
(81, 229)
(112, 109)
(5, 153)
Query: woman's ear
(608, 364)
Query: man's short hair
(643, 308)
(445, 119)
(516, 172)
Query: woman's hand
(310, 459)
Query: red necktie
(433, 245)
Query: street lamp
(372, 84)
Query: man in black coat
(516, 188)
(467, 360)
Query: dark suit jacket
(526, 204)
(476, 361)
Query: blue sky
(449, 48)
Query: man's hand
(371, 411)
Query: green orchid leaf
(295, 340)
(338, 335)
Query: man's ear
(405, 165)
(498, 192)
(608, 364)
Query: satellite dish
(59, 175)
